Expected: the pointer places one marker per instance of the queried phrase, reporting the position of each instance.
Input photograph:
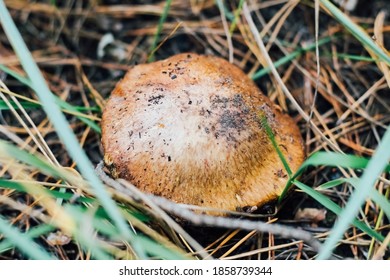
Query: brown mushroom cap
(187, 128)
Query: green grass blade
(157, 250)
(335, 183)
(15, 75)
(62, 127)
(17, 186)
(271, 136)
(375, 167)
(236, 15)
(32, 105)
(356, 31)
(351, 57)
(33, 232)
(23, 242)
(85, 233)
(163, 18)
(31, 159)
(329, 204)
(20, 187)
(71, 108)
(59, 102)
(336, 160)
(25, 104)
(375, 195)
(290, 57)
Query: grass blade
(62, 127)
(375, 167)
(271, 136)
(336, 160)
(288, 58)
(157, 250)
(23, 242)
(21, 187)
(33, 160)
(329, 204)
(375, 195)
(17, 186)
(25, 105)
(356, 31)
(32, 233)
(159, 29)
(64, 105)
(235, 18)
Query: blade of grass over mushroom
(290, 57)
(159, 29)
(329, 204)
(66, 107)
(32, 233)
(375, 167)
(271, 136)
(62, 127)
(356, 31)
(23, 242)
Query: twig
(128, 189)
(158, 203)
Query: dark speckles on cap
(232, 116)
(232, 120)
(156, 99)
(219, 102)
(204, 112)
(191, 133)
(238, 100)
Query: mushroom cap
(188, 128)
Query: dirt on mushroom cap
(187, 128)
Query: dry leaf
(313, 215)
(58, 238)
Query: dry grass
(345, 109)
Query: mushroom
(187, 128)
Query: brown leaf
(313, 215)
